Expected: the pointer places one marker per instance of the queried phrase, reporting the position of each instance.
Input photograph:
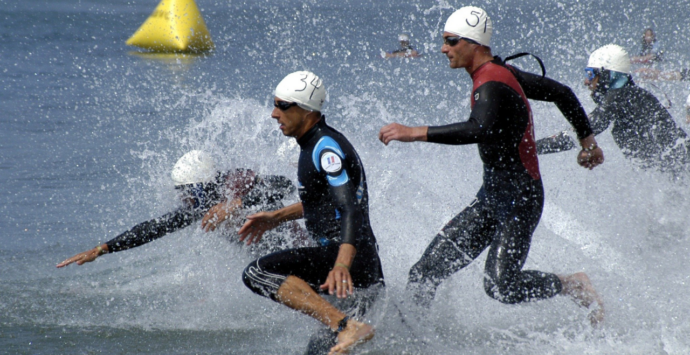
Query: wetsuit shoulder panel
(328, 157)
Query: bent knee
(502, 292)
(261, 282)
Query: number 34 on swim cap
(304, 88)
(471, 22)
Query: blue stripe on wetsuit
(328, 143)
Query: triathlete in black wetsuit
(642, 127)
(334, 204)
(509, 204)
(333, 191)
(251, 192)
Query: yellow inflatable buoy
(174, 26)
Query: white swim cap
(610, 57)
(304, 88)
(403, 38)
(194, 167)
(471, 22)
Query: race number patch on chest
(331, 163)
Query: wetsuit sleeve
(556, 143)
(330, 160)
(561, 142)
(600, 119)
(545, 89)
(490, 99)
(268, 190)
(153, 229)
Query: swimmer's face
(292, 119)
(592, 84)
(461, 54)
(649, 36)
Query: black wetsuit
(333, 191)
(642, 128)
(266, 194)
(509, 204)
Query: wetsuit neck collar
(480, 69)
(312, 131)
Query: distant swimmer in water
(335, 207)
(405, 51)
(642, 127)
(651, 51)
(687, 110)
(507, 208)
(671, 75)
(204, 190)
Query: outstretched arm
(153, 229)
(139, 235)
(260, 223)
(86, 257)
(398, 132)
(476, 129)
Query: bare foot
(580, 289)
(354, 334)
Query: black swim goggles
(452, 41)
(592, 73)
(283, 105)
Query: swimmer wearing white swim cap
(334, 204)
(509, 205)
(303, 88)
(471, 23)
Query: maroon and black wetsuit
(509, 204)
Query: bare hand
(590, 158)
(218, 214)
(398, 132)
(339, 279)
(81, 258)
(256, 225)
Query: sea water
(90, 129)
